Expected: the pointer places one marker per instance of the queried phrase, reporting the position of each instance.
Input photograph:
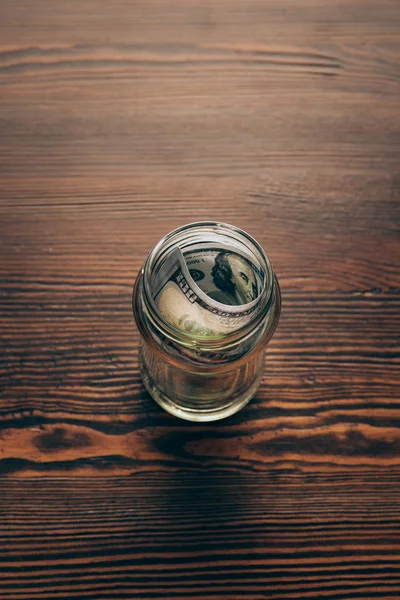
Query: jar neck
(218, 353)
(208, 237)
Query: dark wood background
(120, 121)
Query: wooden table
(120, 121)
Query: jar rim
(225, 339)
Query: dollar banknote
(208, 291)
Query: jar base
(195, 414)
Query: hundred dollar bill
(207, 291)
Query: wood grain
(193, 535)
(119, 122)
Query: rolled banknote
(208, 291)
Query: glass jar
(204, 378)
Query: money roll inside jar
(206, 302)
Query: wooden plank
(210, 534)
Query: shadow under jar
(197, 375)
